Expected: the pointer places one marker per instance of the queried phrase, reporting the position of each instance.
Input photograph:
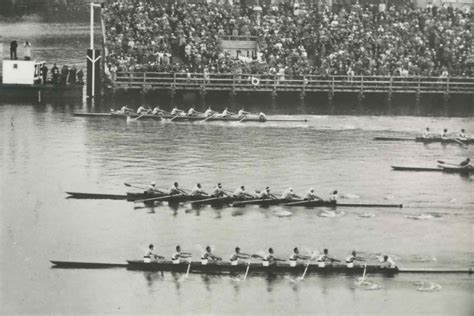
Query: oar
(132, 186)
(242, 119)
(301, 278)
(189, 268)
(447, 163)
(460, 142)
(365, 270)
(174, 117)
(153, 199)
(137, 118)
(208, 117)
(247, 270)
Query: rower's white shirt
(322, 257)
(426, 134)
(444, 135)
(242, 113)
(225, 112)
(141, 109)
(217, 191)
(310, 196)
(462, 135)
(208, 113)
(191, 111)
(196, 191)
(287, 194)
(124, 109)
(176, 256)
(333, 197)
(263, 195)
(239, 192)
(156, 110)
(350, 258)
(294, 256)
(149, 253)
(174, 189)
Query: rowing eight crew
(241, 114)
(240, 193)
(269, 259)
(444, 134)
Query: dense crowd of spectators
(292, 39)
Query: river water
(46, 151)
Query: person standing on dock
(55, 74)
(13, 48)
(72, 75)
(27, 50)
(44, 74)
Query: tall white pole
(92, 51)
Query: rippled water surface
(45, 151)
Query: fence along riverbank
(274, 84)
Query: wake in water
(365, 284)
(350, 196)
(425, 286)
(419, 258)
(424, 216)
(367, 215)
(331, 213)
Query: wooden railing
(276, 83)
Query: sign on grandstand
(239, 46)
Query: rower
(175, 112)
(226, 113)
(193, 112)
(157, 111)
(178, 254)
(152, 189)
(466, 163)
(209, 112)
(310, 196)
(387, 262)
(462, 135)
(125, 110)
(444, 134)
(265, 194)
(234, 259)
(240, 193)
(295, 256)
(353, 257)
(269, 259)
(427, 133)
(197, 191)
(324, 258)
(218, 191)
(289, 194)
(333, 196)
(174, 190)
(150, 255)
(262, 117)
(208, 255)
(242, 113)
(142, 110)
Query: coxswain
(333, 196)
(152, 189)
(157, 111)
(197, 191)
(289, 194)
(174, 190)
(241, 194)
(234, 259)
(150, 255)
(125, 110)
(265, 194)
(193, 112)
(353, 257)
(178, 254)
(324, 257)
(462, 135)
(242, 113)
(427, 133)
(226, 113)
(297, 256)
(262, 117)
(387, 262)
(142, 110)
(218, 191)
(444, 134)
(208, 255)
(466, 163)
(269, 259)
(175, 112)
(310, 196)
(209, 112)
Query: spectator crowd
(293, 40)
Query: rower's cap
(291, 189)
(311, 190)
(242, 187)
(267, 188)
(153, 183)
(335, 192)
(462, 130)
(237, 249)
(219, 184)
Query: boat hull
(255, 268)
(174, 118)
(428, 140)
(97, 196)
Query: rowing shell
(460, 170)
(427, 140)
(310, 203)
(255, 268)
(97, 196)
(187, 118)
